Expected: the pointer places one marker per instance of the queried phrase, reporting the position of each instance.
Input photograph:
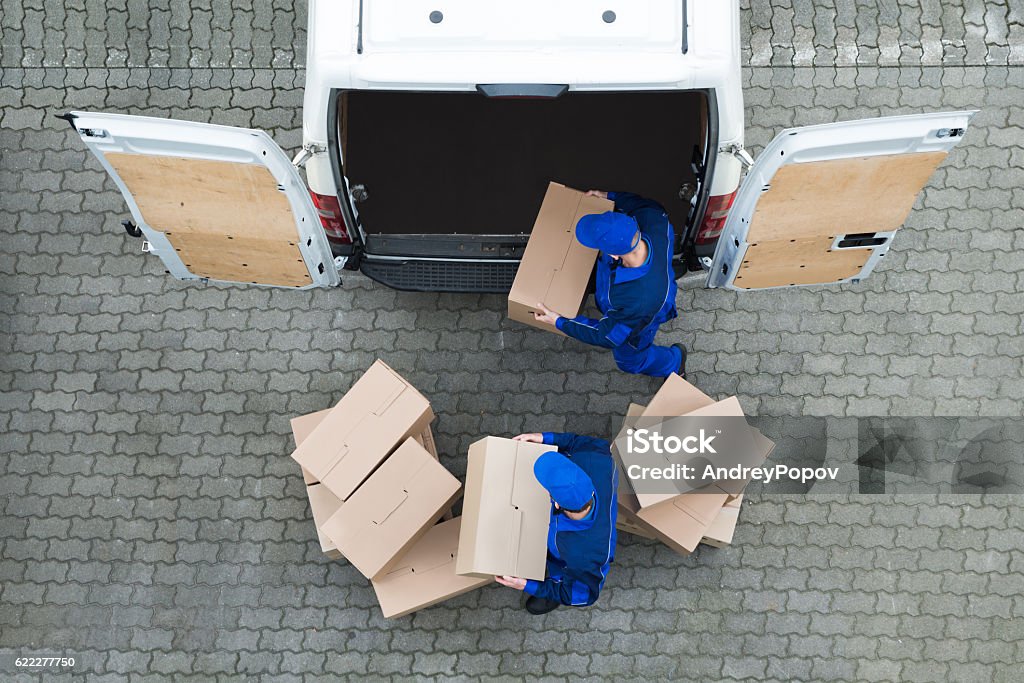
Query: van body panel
(214, 202)
(341, 55)
(822, 203)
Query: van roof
(380, 44)
(653, 43)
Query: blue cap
(611, 232)
(567, 483)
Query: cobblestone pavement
(153, 526)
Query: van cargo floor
(436, 163)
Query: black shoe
(535, 605)
(682, 364)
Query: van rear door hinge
(740, 153)
(306, 153)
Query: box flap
(762, 447)
(387, 503)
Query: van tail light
(714, 217)
(331, 217)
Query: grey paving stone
(122, 505)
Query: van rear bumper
(441, 275)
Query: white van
(430, 134)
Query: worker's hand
(511, 582)
(547, 316)
(535, 437)
(597, 193)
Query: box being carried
(505, 512)
(388, 513)
(379, 412)
(425, 574)
(555, 268)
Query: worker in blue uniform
(636, 286)
(583, 483)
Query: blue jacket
(631, 299)
(581, 552)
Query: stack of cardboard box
(377, 490)
(708, 515)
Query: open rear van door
(214, 202)
(822, 203)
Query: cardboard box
(425, 574)
(555, 268)
(681, 521)
(625, 523)
(303, 426)
(323, 504)
(722, 528)
(392, 509)
(627, 519)
(729, 407)
(505, 512)
(426, 439)
(378, 413)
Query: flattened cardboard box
(555, 268)
(425, 574)
(392, 509)
(626, 519)
(303, 426)
(624, 523)
(723, 527)
(323, 504)
(505, 512)
(378, 413)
